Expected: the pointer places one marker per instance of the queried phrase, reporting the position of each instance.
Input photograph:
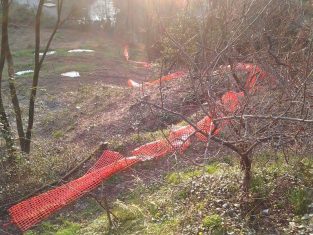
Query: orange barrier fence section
(165, 78)
(231, 100)
(33, 210)
(254, 74)
(126, 53)
(140, 63)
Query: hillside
(156, 117)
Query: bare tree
(251, 63)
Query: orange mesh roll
(231, 99)
(29, 212)
(255, 73)
(169, 77)
(205, 125)
(107, 158)
(180, 138)
(126, 54)
(151, 150)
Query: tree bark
(14, 99)
(38, 64)
(5, 129)
(246, 163)
(33, 92)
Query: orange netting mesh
(31, 211)
(165, 78)
(126, 54)
(231, 100)
(106, 159)
(140, 63)
(254, 73)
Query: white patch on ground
(80, 50)
(20, 73)
(49, 4)
(72, 74)
(48, 53)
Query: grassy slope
(189, 201)
(204, 201)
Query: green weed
(212, 222)
(299, 199)
(58, 134)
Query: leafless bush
(274, 107)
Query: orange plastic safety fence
(168, 77)
(141, 63)
(254, 74)
(207, 126)
(106, 159)
(151, 150)
(180, 138)
(31, 211)
(231, 100)
(126, 54)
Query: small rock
(266, 211)
(226, 205)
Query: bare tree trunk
(14, 99)
(35, 80)
(38, 64)
(6, 129)
(246, 167)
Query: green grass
(58, 68)
(23, 53)
(212, 221)
(145, 210)
(67, 228)
(58, 134)
(299, 199)
(179, 177)
(211, 169)
(168, 207)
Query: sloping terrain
(167, 197)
